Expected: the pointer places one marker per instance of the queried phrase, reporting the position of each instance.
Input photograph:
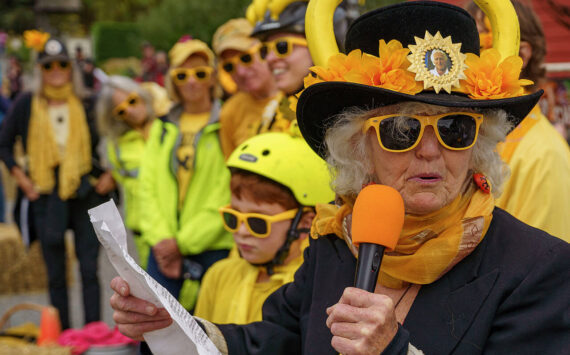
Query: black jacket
(511, 295)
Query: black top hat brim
(320, 104)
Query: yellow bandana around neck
(43, 153)
(429, 245)
(58, 93)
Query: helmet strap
(292, 235)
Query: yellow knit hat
(185, 47)
(234, 34)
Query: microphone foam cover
(378, 216)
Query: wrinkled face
(133, 112)
(195, 90)
(289, 71)
(255, 78)
(261, 250)
(439, 61)
(428, 177)
(55, 74)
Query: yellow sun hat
(234, 34)
(185, 47)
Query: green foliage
(164, 24)
(16, 16)
(117, 10)
(374, 4)
(115, 40)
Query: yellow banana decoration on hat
(505, 25)
(319, 28)
(250, 14)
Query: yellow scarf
(429, 245)
(43, 153)
(507, 148)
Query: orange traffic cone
(50, 326)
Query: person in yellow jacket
(125, 112)
(256, 95)
(276, 180)
(538, 190)
(183, 178)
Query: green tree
(164, 24)
(16, 15)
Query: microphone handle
(368, 265)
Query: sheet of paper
(184, 335)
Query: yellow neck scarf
(429, 245)
(43, 153)
(57, 93)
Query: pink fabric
(94, 333)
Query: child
(276, 180)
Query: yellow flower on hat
(490, 78)
(388, 71)
(35, 39)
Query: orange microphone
(377, 221)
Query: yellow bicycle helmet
(288, 160)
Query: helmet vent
(265, 152)
(244, 147)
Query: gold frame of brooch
(437, 61)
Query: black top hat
(320, 104)
(54, 49)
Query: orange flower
(35, 39)
(489, 79)
(388, 71)
(486, 40)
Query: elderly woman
(465, 277)
(62, 177)
(124, 115)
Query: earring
(482, 182)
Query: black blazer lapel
(443, 311)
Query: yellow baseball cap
(185, 47)
(234, 34)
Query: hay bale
(21, 270)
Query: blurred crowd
(203, 154)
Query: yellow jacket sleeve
(538, 190)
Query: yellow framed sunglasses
(402, 132)
(281, 46)
(259, 225)
(120, 111)
(61, 64)
(245, 58)
(180, 76)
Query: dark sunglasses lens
(282, 47)
(181, 76)
(121, 113)
(47, 66)
(133, 101)
(263, 51)
(200, 74)
(228, 67)
(457, 131)
(63, 65)
(257, 225)
(399, 133)
(230, 220)
(245, 59)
